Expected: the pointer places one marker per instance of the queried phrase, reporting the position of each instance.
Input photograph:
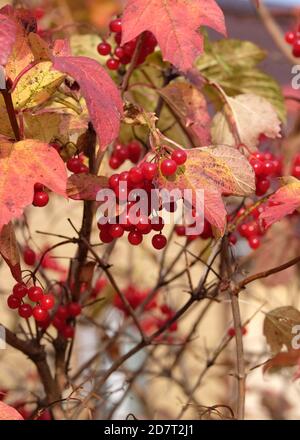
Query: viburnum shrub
(175, 149)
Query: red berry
(168, 167)
(74, 309)
(149, 170)
(136, 175)
(104, 48)
(35, 293)
(68, 332)
(157, 224)
(116, 231)
(114, 162)
(115, 25)
(38, 187)
(119, 52)
(40, 199)
(296, 48)
(180, 230)
(105, 236)
(58, 323)
(233, 239)
(83, 169)
(290, 37)
(268, 168)
(296, 171)
(13, 302)
(113, 181)
(134, 151)
(135, 238)
(62, 312)
(74, 165)
(25, 311)
(254, 242)
(20, 290)
(29, 256)
(113, 64)
(47, 302)
(39, 314)
(118, 38)
(257, 166)
(179, 156)
(129, 47)
(159, 241)
(262, 187)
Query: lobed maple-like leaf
(217, 171)
(10, 251)
(7, 37)
(22, 164)
(190, 105)
(285, 201)
(100, 93)
(7, 412)
(175, 24)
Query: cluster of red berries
(160, 314)
(265, 165)
(138, 177)
(168, 166)
(122, 152)
(231, 331)
(296, 166)
(181, 231)
(63, 319)
(76, 165)
(40, 197)
(43, 302)
(250, 228)
(293, 38)
(122, 55)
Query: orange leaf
(22, 164)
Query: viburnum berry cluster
(131, 151)
(293, 38)
(76, 165)
(122, 55)
(41, 197)
(295, 171)
(266, 166)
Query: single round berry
(290, 37)
(258, 167)
(74, 165)
(136, 175)
(39, 313)
(20, 290)
(159, 241)
(268, 168)
(83, 169)
(121, 152)
(68, 332)
(114, 162)
(13, 302)
(254, 242)
(296, 48)
(135, 238)
(113, 181)
(179, 156)
(157, 224)
(40, 199)
(25, 311)
(113, 64)
(115, 25)
(168, 167)
(74, 309)
(104, 48)
(29, 256)
(62, 312)
(149, 170)
(116, 231)
(38, 187)
(119, 52)
(58, 323)
(233, 239)
(35, 293)
(180, 230)
(47, 302)
(105, 236)
(262, 187)
(134, 151)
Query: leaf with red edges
(10, 251)
(100, 93)
(22, 164)
(175, 24)
(8, 32)
(285, 201)
(217, 171)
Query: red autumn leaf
(22, 164)
(10, 251)
(175, 24)
(282, 360)
(100, 92)
(284, 202)
(7, 37)
(9, 413)
(85, 186)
